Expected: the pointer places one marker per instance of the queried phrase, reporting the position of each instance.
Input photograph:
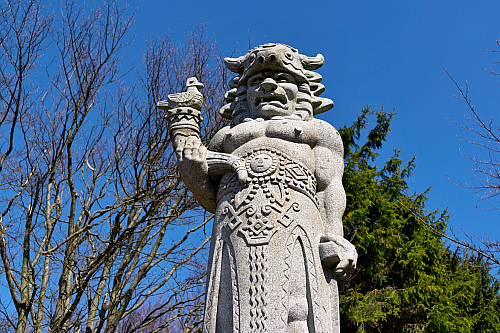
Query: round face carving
(272, 93)
(261, 163)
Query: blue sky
(389, 53)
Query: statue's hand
(191, 157)
(338, 254)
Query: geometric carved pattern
(233, 219)
(268, 166)
(281, 169)
(295, 171)
(271, 176)
(258, 230)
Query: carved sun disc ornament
(261, 163)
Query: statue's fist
(191, 155)
(339, 254)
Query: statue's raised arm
(274, 180)
(195, 164)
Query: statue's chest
(286, 130)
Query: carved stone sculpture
(273, 178)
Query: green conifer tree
(408, 279)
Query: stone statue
(273, 178)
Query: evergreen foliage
(408, 279)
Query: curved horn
(313, 76)
(321, 104)
(233, 64)
(312, 63)
(233, 83)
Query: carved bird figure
(190, 98)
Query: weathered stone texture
(273, 180)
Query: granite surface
(273, 178)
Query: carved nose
(268, 85)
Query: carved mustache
(268, 98)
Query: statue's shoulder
(324, 131)
(218, 139)
(322, 125)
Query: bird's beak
(163, 105)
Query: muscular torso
(295, 138)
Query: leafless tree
(486, 136)
(95, 223)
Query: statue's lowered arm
(336, 252)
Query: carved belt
(271, 166)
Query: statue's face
(271, 94)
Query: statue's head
(274, 80)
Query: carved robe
(265, 269)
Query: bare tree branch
(486, 171)
(97, 232)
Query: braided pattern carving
(258, 293)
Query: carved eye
(255, 80)
(284, 78)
